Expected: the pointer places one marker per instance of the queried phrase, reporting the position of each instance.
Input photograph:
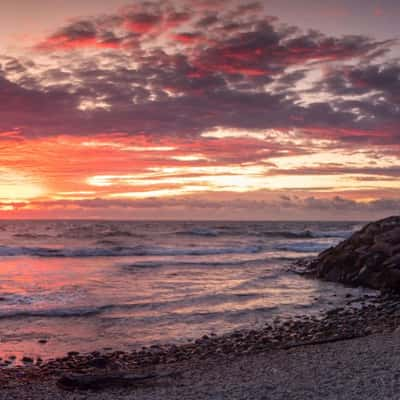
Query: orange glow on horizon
(68, 169)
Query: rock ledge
(370, 257)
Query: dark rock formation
(370, 257)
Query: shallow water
(89, 285)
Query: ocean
(93, 285)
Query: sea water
(89, 285)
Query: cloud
(266, 50)
(292, 206)
(83, 34)
(222, 87)
(188, 37)
(383, 78)
(141, 23)
(153, 70)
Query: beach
(350, 353)
(310, 339)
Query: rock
(99, 362)
(370, 257)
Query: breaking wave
(120, 251)
(200, 232)
(284, 234)
(303, 247)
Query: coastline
(166, 368)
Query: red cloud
(82, 34)
(180, 90)
(176, 19)
(243, 70)
(188, 38)
(142, 23)
(64, 42)
(269, 51)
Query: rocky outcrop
(370, 257)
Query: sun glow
(15, 186)
(80, 173)
(125, 147)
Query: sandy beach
(351, 353)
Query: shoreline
(361, 317)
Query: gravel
(363, 368)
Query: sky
(206, 109)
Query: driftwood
(106, 380)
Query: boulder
(370, 257)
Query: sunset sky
(206, 109)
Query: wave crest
(120, 251)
